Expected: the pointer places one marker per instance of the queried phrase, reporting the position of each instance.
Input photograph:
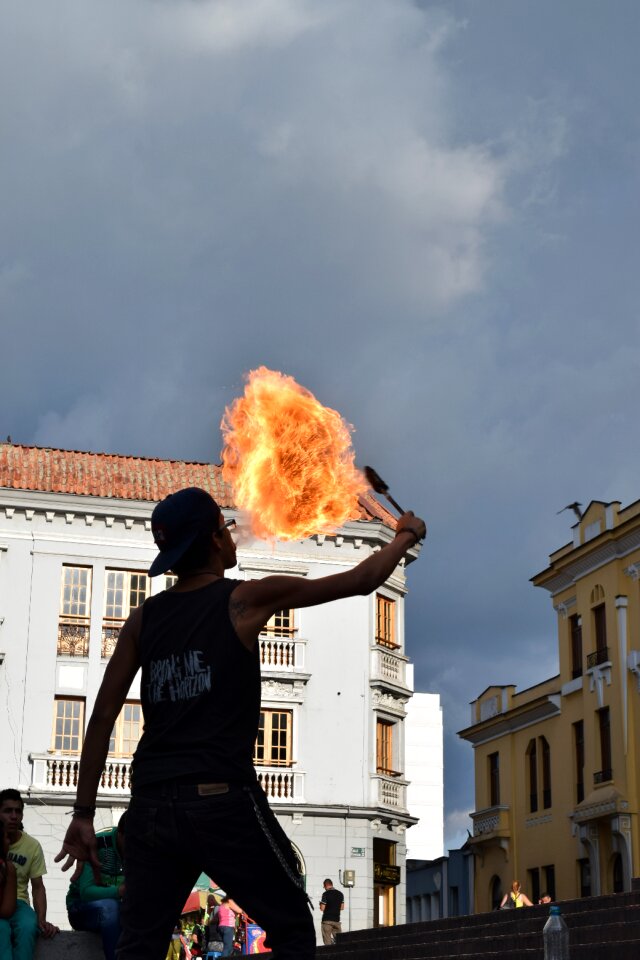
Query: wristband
(83, 812)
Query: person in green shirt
(96, 907)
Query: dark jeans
(173, 835)
(227, 940)
(98, 916)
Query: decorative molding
(276, 690)
(9, 512)
(89, 518)
(320, 539)
(571, 686)
(595, 558)
(264, 566)
(633, 664)
(537, 821)
(29, 514)
(49, 515)
(69, 517)
(633, 571)
(563, 608)
(108, 521)
(386, 701)
(339, 541)
(128, 522)
(598, 676)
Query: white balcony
(281, 784)
(281, 654)
(389, 792)
(57, 773)
(388, 667)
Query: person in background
(96, 907)
(515, 897)
(175, 945)
(227, 914)
(8, 885)
(331, 904)
(18, 933)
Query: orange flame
(289, 459)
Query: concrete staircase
(600, 928)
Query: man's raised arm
(253, 602)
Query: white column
(621, 610)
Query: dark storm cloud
(424, 214)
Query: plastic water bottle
(555, 936)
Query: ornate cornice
(386, 701)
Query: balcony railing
(601, 655)
(58, 773)
(281, 786)
(73, 637)
(386, 666)
(281, 653)
(389, 792)
(110, 633)
(602, 776)
(491, 821)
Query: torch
(377, 484)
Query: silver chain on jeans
(273, 843)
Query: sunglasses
(227, 525)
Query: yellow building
(556, 766)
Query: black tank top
(200, 690)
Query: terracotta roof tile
(126, 478)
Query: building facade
(556, 766)
(424, 768)
(75, 545)
(442, 887)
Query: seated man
(18, 934)
(96, 907)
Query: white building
(424, 769)
(75, 545)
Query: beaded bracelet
(83, 812)
(412, 532)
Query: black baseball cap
(176, 522)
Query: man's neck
(16, 839)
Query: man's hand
(80, 847)
(48, 930)
(408, 521)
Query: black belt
(179, 790)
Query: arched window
(546, 772)
(495, 892)
(617, 874)
(532, 775)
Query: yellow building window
(386, 622)
(127, 731)
(273, 745)
(68, 725)
(75, 611)
(494, 779)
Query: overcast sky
(426, 213)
